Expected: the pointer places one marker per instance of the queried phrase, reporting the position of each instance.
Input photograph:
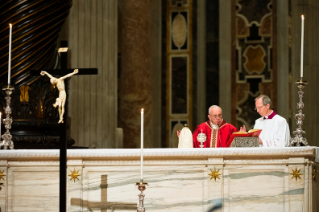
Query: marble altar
(251, 179)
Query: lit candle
(9, 64)
(302, 38)
(142, 126)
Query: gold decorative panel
(178, 67)
(254, 63)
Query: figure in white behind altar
(185, 138)
(275, 129)
(59, 83)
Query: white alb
(275, 132)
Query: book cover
(250, 133)
(254, 132)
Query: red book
(250, 133)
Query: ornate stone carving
(245, 142)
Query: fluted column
(92, 36)
(135, 77)
(225, 53)
(283, 58)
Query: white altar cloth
(174, 152)
(251, 179)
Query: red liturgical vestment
(214, 138)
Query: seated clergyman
(275, 130)
(216, 129)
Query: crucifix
(63, 124)
(59, 83)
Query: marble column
(201, 62)
(282, 59)
(225, 57)
(156, 67)
(92, 38)
(135, 77)
(310, 9)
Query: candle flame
(303, 17)
(142, 111)
(10, 25)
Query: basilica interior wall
(94, 32)
(283, 66)
(91, 32)
(311, 63)
(212, 65)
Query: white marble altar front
(252, 179)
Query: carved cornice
(165, 154)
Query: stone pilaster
(135, 77)
(92, 37)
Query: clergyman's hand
(76, 71)
(178, 133)
(260, 141)
(243, 129)
(42, 73)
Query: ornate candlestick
(299, 140)
(7, 142)
(201, 137)
(141, 187)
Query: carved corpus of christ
(59, 83)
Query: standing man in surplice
(275, 129)
(216, 129)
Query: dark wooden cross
(63, 126)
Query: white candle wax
(302, 38)
(9, 63)
(142, 126)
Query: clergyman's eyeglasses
(217, 116)
(258, 108)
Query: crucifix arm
(71, 74)
(49, 75)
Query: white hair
(214, 106)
